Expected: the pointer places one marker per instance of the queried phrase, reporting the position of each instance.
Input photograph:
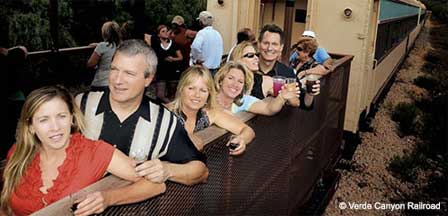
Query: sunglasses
(251, 55)
(300, 49)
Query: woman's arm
(244, 134)
(178, 57)
(93, 60)
(309, 97)
(268, 106)
(123, 167)
(98, 201)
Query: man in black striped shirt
(126, 118)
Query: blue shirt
(321, 55)
(247, 100)
(207, 47)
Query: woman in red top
(51, 159)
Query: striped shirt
(152, 129)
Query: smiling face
(250, 58)
(194, 95)
(270, 46)
(233, 83)
(51, 123)
(127, 80)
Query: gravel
(369, 181)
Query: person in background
(244, 34)
(207, 47)
(184, 38)
(128, 30)
(234, 83)
(169, 59)
(306, 48)
(52, 159)
(321, 56)
(195, 106)
(102, 55)
(14, 60)
(126, 118)
(270, 45)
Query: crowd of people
(117, 128)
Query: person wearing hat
(207, 47)
(321, 56)
(183, 37)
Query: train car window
(396, 21)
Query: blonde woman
(263, 84)
(102, 55)
(234, 83)
(195, 105)
(52, 159)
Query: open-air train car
(378, 33)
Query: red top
(85, 163)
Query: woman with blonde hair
(234, 83)
(51, 159)
(103, 53)
(263, 85)
(195, 105)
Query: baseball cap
(309, 34)
(178, 20)
(204, 15)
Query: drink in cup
(310, 81)
(290, 84)
(278, 81)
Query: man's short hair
(135, 47)
(273, 29)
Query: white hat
(309, 34)
(205, 15)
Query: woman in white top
(103, 53)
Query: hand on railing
(93, 203)
(236, 145)
(154, 170)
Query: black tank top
(257, 89)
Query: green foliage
(426, 82)
(439, 8)
(30, 29)
(405, 114)
(27, 23)
(161, 12)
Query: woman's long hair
(189, 76)
(248, 79)
(27, 143)
(111, 33)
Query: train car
(378, 33)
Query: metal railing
(275, 176)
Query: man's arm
(196, 49)
(189, 173)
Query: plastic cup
(278, 81)
(310, 81)
(290, 84)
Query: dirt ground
(368, 181)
